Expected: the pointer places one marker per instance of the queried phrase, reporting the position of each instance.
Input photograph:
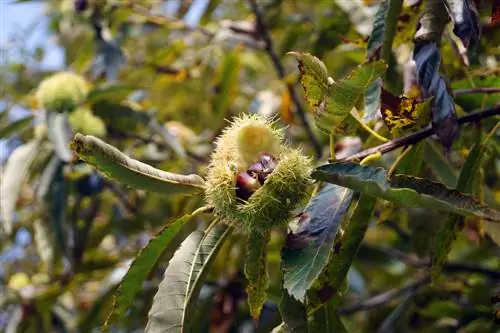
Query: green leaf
(307, 250)
(177, 294)
(452, 225)
(402, 189)
(143, 264)
(294, 315)
(227, 83)
(347, 244)
(474, 101)
(326, 319)
(256, 271)
(346, 93)
(60, 133)
(333, 101)
(439, 164)
(12, 179)
(122, 168)
(17, 126)
(110, 93)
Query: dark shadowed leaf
(307, 249)
(144, 262)
(404, 190)
(256, 271)
(294, 315)
(444, 118)
(476, 101)
(432, 22)
(173, 304)
(326, 319)
(120, 167)
(12, 179)
(465, 20)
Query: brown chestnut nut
(246, 185)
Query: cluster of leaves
(163, 88)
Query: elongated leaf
(178, 291)
(428, 59)
(449, 230)
(16, 127)
(227, 82)
(439, 165)
(465, 20)
(115, 92)
(120, 167)
(294, 315)
(404, 190)
(46, 177)
(347, 244)
(143, 264)
(44, 244)
(59, 132)
(256, 271)
(326, 319)
(333, 101)
(307, 250)
(12, 179)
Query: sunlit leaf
(177, 293)
(60, 134)
(12, 179)
(120, 167)
(402, 189)
(307, 249)
(401, 113)
(143, 264)
(256, 271)
(432, 22)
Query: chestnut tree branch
(420, 135)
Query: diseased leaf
(402, 189)
(143, 264)
(12, 179)
(256, 271)
(177, 294)
(120, 167)
(465, 20)
(59, 131)
(333, 101)
(313, 78)
(227, 83)
(17, 126)
(432, 22)
(307, 250)
(444, 119)
(402, 113)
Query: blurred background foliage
(163, 77)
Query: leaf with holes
(177, 293)
(122, 168)
(307, 250)
(402, 189)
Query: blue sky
(16, 17)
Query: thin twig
(420, 135)
(384, 297)
(478, 90)
(280, 70)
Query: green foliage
(402, 189)
(207, 94)
(307, 249)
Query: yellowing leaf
(401, 113)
